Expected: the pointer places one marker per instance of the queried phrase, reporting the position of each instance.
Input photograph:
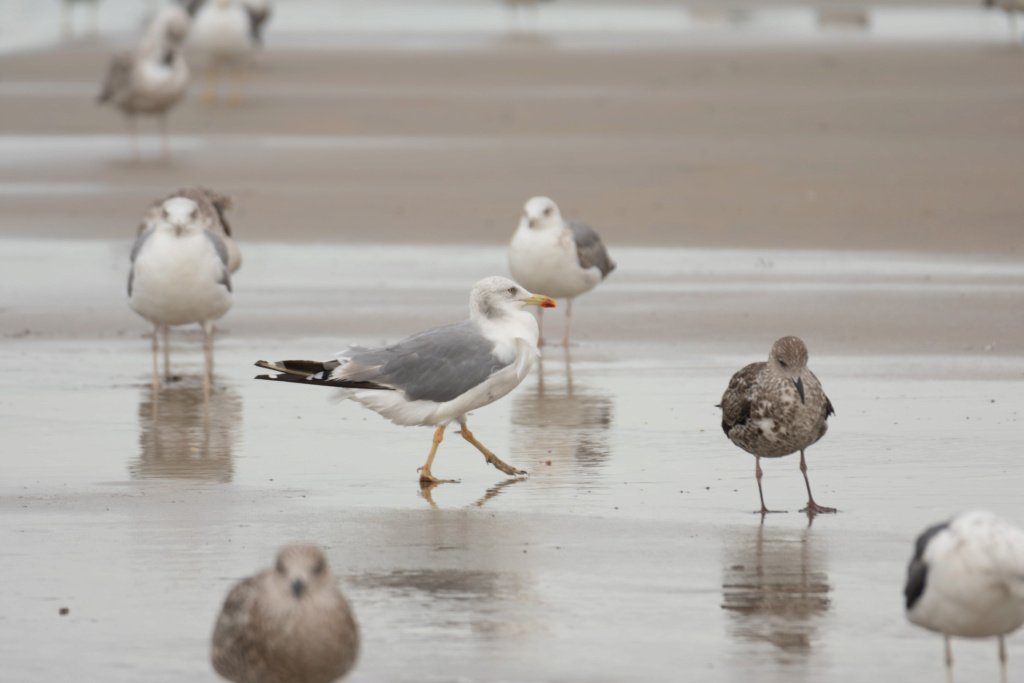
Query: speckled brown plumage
(775, 408)
(289, 624)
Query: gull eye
(547, 211)
(782, 362)
(319, 568)
(513, 291)
(280, 568)
(166, 215)
(194, 215)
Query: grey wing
(590, 249)
(236, 637)
(437, 365)
(119, 75)
(736, 399)
(222, 253)
(140, 241)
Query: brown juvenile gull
(966, 579)
(289, 624)
(212, 207)
(436, 377)
(562, 258)
(776, 408)
(153, 78)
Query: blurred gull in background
(227, 32)
(153, 78)
(562, 258)
(179, 276)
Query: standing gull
(776, 408)
(227, 32)
(212, 207)
(152, 79)
(1011, 7)
(563, 258)
(437, 376)
(179, 276)
(966, 579)
(289, 624)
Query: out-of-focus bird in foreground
(289, 624)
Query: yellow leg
(210, 97)
(237, 76)
(491, 457)
(425, 476)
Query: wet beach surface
(630, 552)
(859, 192)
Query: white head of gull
(966, 578)
(563, 258)
(438, 376)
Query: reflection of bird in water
(438, 376)
(67, 8)
(152, 79)
(188, 432)
(517, 9)
(1011, 7)
(212, 207)
(775, 588)
(494, 600)
(227, 32)
(966, 579)
(179, 276)
(289, 624)
(563, 258)
(571, 420)
(775, 408)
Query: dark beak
(298, 587)
(799, 382)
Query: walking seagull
(966, 579)
(152, 79)
(180, 276)
(438, 376)
(775, 408)
(212, 207)
(287, 624)
(563, 258)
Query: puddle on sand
(633, 555)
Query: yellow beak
(540, 300)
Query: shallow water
(441, 24)
(629, 553)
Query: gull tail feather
(312, 372)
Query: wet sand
(817, 147)
(865, 199)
